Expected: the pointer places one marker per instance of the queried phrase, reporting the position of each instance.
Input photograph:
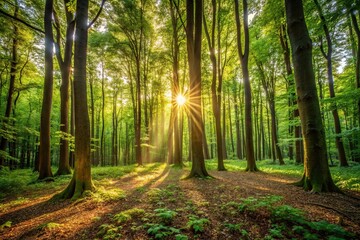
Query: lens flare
(180, 100)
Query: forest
(170, 119)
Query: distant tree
(317, 177)
(328, 56)
(13, 71)
(193, 40)
(81, 180)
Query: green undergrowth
(157, 223)
(16, 182)
(286, 222)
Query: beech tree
(81, 180)
(244, 60)
(193, 40)
(64, 60)
(44, 154)
(317, 177)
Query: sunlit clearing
(180, 100)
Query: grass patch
(49, 226)
(18, 201)
(127, 215)
(103, 195)
(5, 225)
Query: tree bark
(45, 148)
(317, 177)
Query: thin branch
(22, 21)
(178, 11)
(98, 14)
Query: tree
(81, 180)
(244, 60)
(193, 40)
(174, 135)
(65, 69)
(216, 84)
(44, 155)
(317, 177)
(328, 56)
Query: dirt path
(82, 219)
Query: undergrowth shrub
(197, 224)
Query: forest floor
(156, 203)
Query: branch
(322, 49)
(98, 14)
(22, 21)
(181, 20)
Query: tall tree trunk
(193, 40)
(81, 180)
(328, 57)
(65, 67)
(177, 158)
(215, 87)
(94, 159)
(13, 71)
(317, 177)
(244, 59)
(102, 139)
(44, 156)
(138, 115)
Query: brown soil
(204, 198)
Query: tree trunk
(81, 180)
(177, 157)
(138, 114)
(102, 139)
(94, 159)
(193, 40)
(65, 67)
(44, 157)
(215, 87)
(244, 59)
(317, 177)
